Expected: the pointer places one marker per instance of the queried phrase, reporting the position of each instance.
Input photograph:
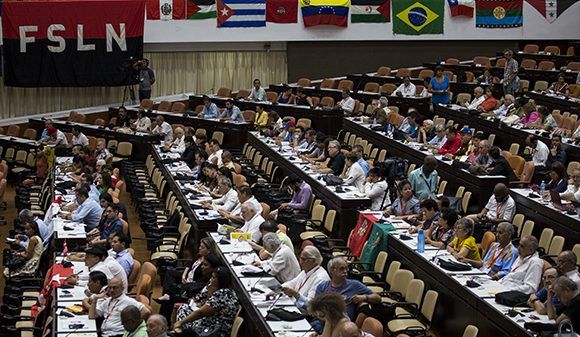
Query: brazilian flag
(417, 17)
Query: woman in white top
(354, 174)
(376, 189)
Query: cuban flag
(241, 13)
(461, 7)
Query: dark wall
(316, 60)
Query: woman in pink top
(530, 116)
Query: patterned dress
(30, 267)
(225, 304)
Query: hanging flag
(499, 13)
(165, 10)
(282, 11)
(325, 12)
(241, 13)
(370, 11)
(551, 9)
(200, 9)
(417, 17)
(461, 7)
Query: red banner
(71, 43)
(361, 232)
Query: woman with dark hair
(286, 96)
(376, 189)
(439, 87)
(559, 179)
(210, 173)
(105, 183)
(560, 87)
(215, 312)
(329, 308)
(406, 204)
(31, 254)
(442, 231)
(430, 214)
(298, 136)
(463, 245)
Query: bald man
(424, 179)
(133, 323)
(111, 307)
(499, 208)
(351, 330)
(157, 326)
(566, 265)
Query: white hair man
(283, 264)
(478, 98)
(252, 220)
(303, 286)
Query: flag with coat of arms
(165, 10)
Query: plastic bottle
(420, 241)
(542, 189)
(389, 130)
(375, 121)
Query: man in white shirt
(566, 266)
(572, 193)
(526, 272)
(229, 199)
(143, 123)
(101, 152)
(79, 138)
(506, 106)
(283, 264)
(347, 103)
(110, 309)
(499, 208)
(478, 98)
(163, 129)
(216, 155)
(177, 145)
(252, 221)
(540, 150)
(244, 195)
(354, 175)
(406, 89)
(93, 261)
(303, 286)
(258, 93)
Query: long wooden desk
(346, 206)
(561, 103)
(546, 216)
(559, 60)
(422, 104)
(235, 134)
(17, 142)
(327, 121)
(480, 186)
(139, 140)
(504, 135)
(457, 306)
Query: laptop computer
(557, 201)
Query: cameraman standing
(146, 78)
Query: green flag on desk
(376, 242)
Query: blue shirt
(234, 113)
(211, 112)
(125, 259)
(424, 187)
(365, 166)
(94, 193)
(499, 262)
(542, 295)
(45, 232)
(89, 213)
(348, 290)
(440, 98)
(111, 227)
(435, 141)
(409, 129)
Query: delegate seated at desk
(336, 162)
(499, 165)
(283, 264)
(258, 94)
(303, 287)
(270, 227)
(347, 103)
(406, 89)
(426, 132)
(500, 256)
(406, 204)
(354, 174)
(526, 272)
(232, 113)
(409, 124)
(163, 129)
(88, 210)
(177, 144)
(463, 245)
(143, 123)
(452, 143)
(572, 193)
(252, 221)
(229, 197)
(443, 231)
(209, 110)
(538, 300)
(568, 293)
(499, 208)
(478, 98)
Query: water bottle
(420, 241)
(542, 189)
(389, 130)
(375, 121)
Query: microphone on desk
(253, 289)
(275, 301)
(235, 261)
(311, 329)
(445, 243)
(512, 312)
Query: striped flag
(201, 9)
(461, 7)
(498, 13)
(370, 11)
(241, 13)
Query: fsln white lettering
(26, 39)
(120, 39)
(81, 46)
(51, 37)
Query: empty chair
(29, 134)
(556, 245)
(304, 82)
(327, 101)
(345, 84)
(546, 238)
(421, 322)
(450, 75)
(463, 98)
(146, 103)
(483, 60)
(372, 87)
(13, 130)
(470, 331)
(224, 92)
(178, 107)
(531, 49)
(219, 136)
(552, 50)
(452, 60)
(384, 71)
(328, 83)
(546, 65)
(388, 88)
(305, 122)
(528, 228)
(528, 64)
(426, 73)
(515, 148)
(242, 93)
(574, 66)
(271, 96)
(500, 63)
(99, 122)
(402, 72)
(541, 86)
(249, 115)
(517, 164)
(164, 106)
(524, 85)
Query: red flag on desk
(361, 232)
(282, 11)
(64, 249)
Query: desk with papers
(481, 186)
(553, 101)
(345, 202)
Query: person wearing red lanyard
(526, 272)
(406, 204)
(501, 255)
(499, 208)
(110, 308)
(303, 286)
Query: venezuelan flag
(325, 12)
